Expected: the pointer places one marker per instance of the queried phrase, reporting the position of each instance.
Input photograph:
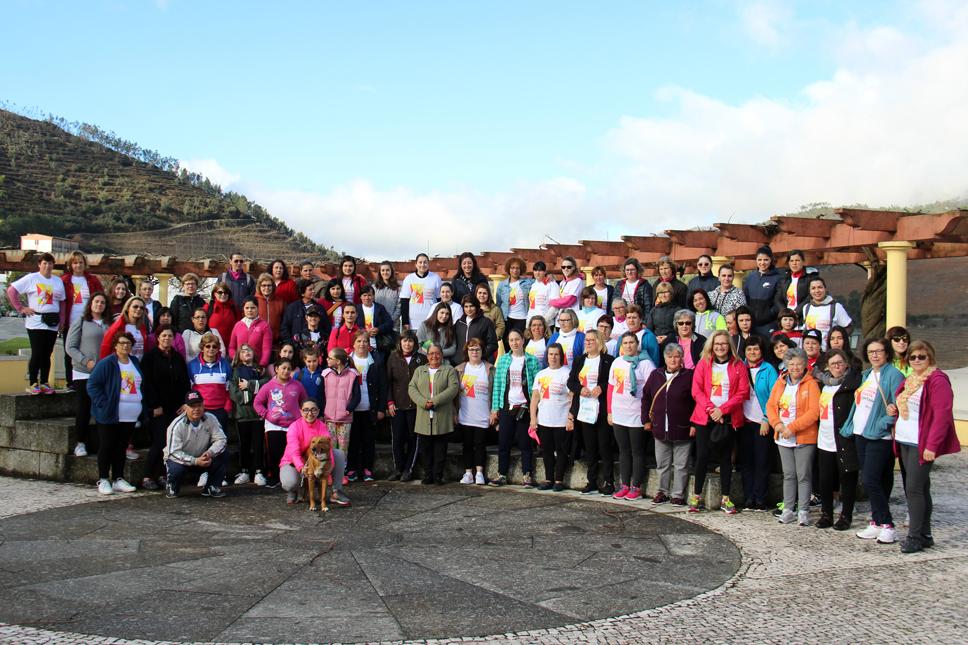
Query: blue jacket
(104, 388)
(763, 384)
(504, 294)
(879, 424)
(650, 346)
(312, 382)
(760, 291)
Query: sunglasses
(567, 266)
(900, 339)
(918, 357)
(221, 293)
(684, 323)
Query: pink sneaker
(621, 493)
(633, 494)
(346, 480)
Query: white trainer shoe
(80, 450)
(104, 487)
(242, 478)
(468, 478)
(872, 532)
(121, 486)
(479, 479)
(887, 535)
(203, 480)
(260, 479)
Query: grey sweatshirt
(185, 441)
(84, 343)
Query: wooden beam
(871, 220)
(805, 226)
(696, 239)
(744, 233)
(648, 243)
(605, 247)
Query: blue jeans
(876, 459)
(216, 470)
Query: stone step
(33, 464)
(83, 470)
(17, 407)
(54, 435)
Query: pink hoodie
(298, 438)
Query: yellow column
(588, 278)
(718, 261)
(897, 253)
(163, 279)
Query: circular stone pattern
(405, 562)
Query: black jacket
(376, 383)
(803, 288)
(707, 283)
(661, 321)
(294, 322)
(841, 405)
(165, 381)
(481, 328)
(465, 286)
(574, 384)
(182, 307)
(760, 290)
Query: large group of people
(659, 374)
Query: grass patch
(11, 345)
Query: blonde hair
(707, 350)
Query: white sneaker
(468, 478)
(203, 480)
(104, 487)
(787, 517)
(803, 518)
(887, 535)
(242, 478)
(131, 454)
(479, 479)
(121, 486)
(80, 450)
(872, 532)
(260, 479)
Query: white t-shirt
(456, 312)
(81, 295)
(752, 409)
(588, 376)
(601, 295)
(362, 365)
(626, 407)
(517, 303)
(422, 293)
(906, 430)
(44, 296)
(864, 398)
(129, 403)
(138, 350)
(791, 293)
(825, 438)
(515, 384)
(719, 393)
(628, 291)
(537, 349)
(611, 347)
(572, 287)
(348, 289)
(540, 295)
(588, 320)
(788, 413)
(619, 328)
(819, 317)
(551, 388)
(368, 322)
(567, 341)
(475, 397)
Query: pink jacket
(298, 438)
(936, 425)
(739, 391)
(258, 336)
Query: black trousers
(403, 439)
(112, 442)
(830, 476)
(704, 454)
(754, 462)
(42, 344)
(275, 449)
(433, 450)
(251, 444)
(82, 415)
(555, 449)
(598, 453)
(510, 430)
(68, 364)
(362, 442)
(159, 434)
(475, 446)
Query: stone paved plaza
(408, 562)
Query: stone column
(718, 261)
(163, 279)
(897, 252)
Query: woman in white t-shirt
(44, 293)
(418, 293)
(626, 378)
(79, 286)
(476, 377)
(836, 455)
(550, 401)
(537, 335)
(514, 377)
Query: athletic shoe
(803, 518)
(34, 389)
(872, 532)
(46, 389)
(213, 491)
(500, 481)
(242, 478)
(728, 507)
(607, 489)
(149, 484)
(887, 535)
(927, 541)
(660, 498)
(842, 523)
(170, 491)
(80, 450)
(911, 544)
(545, 486)
(350, 476)
(395, 477)
(104, 487)
(814, 499)
(589, 489)
(759, 507)
(558, 487)
(787, 517)
(694, 503)
(528, 480)
(778, 511)
(131, 454)
(272, 482)
(677, 501)
(259, 479)
(203, 480)
(479, 479)
(824, 522)
(121, 486)
(291, 498)
(622, 492)
(346, 480)
(406, 476)
(468, 478)
(339, 499)
(634, 493)
(367, 475)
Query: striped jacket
(212, 382)
(499, 391)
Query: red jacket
(222, 317)
(117, 327)
(93, 286)
(286, 291)
(342, 336)
(936, 424)
(739, 391)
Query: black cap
(194, 397)
(815, 334)
(313, 310)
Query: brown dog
(319, 467)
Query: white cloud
(213, 170)
(766, 22)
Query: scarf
(633, 362)
(911, 385)
(826, 378)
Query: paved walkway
(794, 584)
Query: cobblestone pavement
(795, 585)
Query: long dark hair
(105, 315)
(476, 274)
(285, 268)
(392, 283)
(434, 326)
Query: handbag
(719, 432)
(587, 409)
(51, 318)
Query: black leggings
(597, 439)
(475, 446)
(68, 364)
(403, 440)
(112, 442)
(42, 344)
(631, 454)
(362, 446)
(830, 475)
(159, 434)
(82, 416)
(704, 449)
(251, 444)
(509, 431)
(275, 448)
(556, 449)
(433, 449)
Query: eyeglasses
(211, 345)
(684, 323)
(122, 343)
(702, 264)
(220, 292)
(918, 357)
(136, 307)
(473, 349)
(310, 410)
(900, 339)
(875, 352)
(835, 363)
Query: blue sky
(583, 120)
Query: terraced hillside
(57, 183)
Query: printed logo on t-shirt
(417, 291)
(78, 297)
(467, 382)
(128, 385)
(865, 391)
(513, 298)
(544, 387)
(825, 398)
(791, 295)
(531, 295)
(45, 294)
(583, 376)
(810, 322)
(784, 406)
(620, 377)
(717, 384)
(368, 319)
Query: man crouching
(196, 444)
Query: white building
(46, 244)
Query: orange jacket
(807, 421)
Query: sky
(387, 128)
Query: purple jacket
(936, 425)
(674, 399)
